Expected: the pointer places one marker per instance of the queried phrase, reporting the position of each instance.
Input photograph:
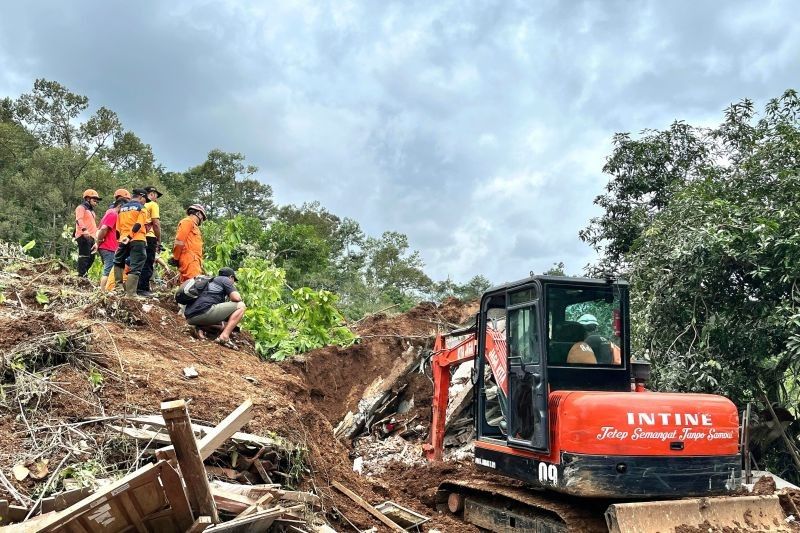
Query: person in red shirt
(85, 230)
(131, 231)
(106, 243)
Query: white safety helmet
(587, 320)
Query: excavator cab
(557, 334)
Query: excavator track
(501, 508)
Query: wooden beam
(366, 506)
(217, 435)
(176, 416)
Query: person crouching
(220, 305)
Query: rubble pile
(84, 374)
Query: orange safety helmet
(122, 193)
(91, 193)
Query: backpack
(191, 289)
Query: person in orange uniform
(86, 230)
(132, 240)
(187, 253)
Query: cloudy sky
(478, 128)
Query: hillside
(70, 354)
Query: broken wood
(108, 509)
(262, 472)
(230, 501)
(266, 498)
(176, 416)
(200, 524)
(366, 506)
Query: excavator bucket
(725, 513)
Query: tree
(713, 257)
(223, 185)
(558, 269)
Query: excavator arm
(444, 359)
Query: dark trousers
(85, 255)
(149, 264)
(137, 251)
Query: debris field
(312, 443)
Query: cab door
(527, 371)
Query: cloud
(479, 129)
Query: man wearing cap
(153, 237)
(600, 345)
(187, 253)
(85, 230)
(132, 243)
(220, 304)
(106, 243)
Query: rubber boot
(130, 284)
(118, 272)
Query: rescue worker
(187, 253)
(107, 243)
(86, 230)
(152, 210)
(132, 242)
(220, 305)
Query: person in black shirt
(220, 304)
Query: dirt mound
(133, 359)
(336, 378)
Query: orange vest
(130, 214)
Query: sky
(478, 128)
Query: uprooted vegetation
(79, 370)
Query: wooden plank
(216, 436)
(225, 429)
(176, 416)
(71, 497)
(144, 435)
(366, 506)
(230, 501)
(142, 476)
(295, 496)
(133, 513)
(200, 524)
(176, 496)
(265, 499)
(259, 522)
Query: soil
(140, 348)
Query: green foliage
(42, 298)
(704, 222)
(95, 378)
(286, 324)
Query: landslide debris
(75, 354)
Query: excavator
(562, 415)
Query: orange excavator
(560, 407)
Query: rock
(190, 372)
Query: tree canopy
(704, 222)
(54, 145)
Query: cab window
(584, 326)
